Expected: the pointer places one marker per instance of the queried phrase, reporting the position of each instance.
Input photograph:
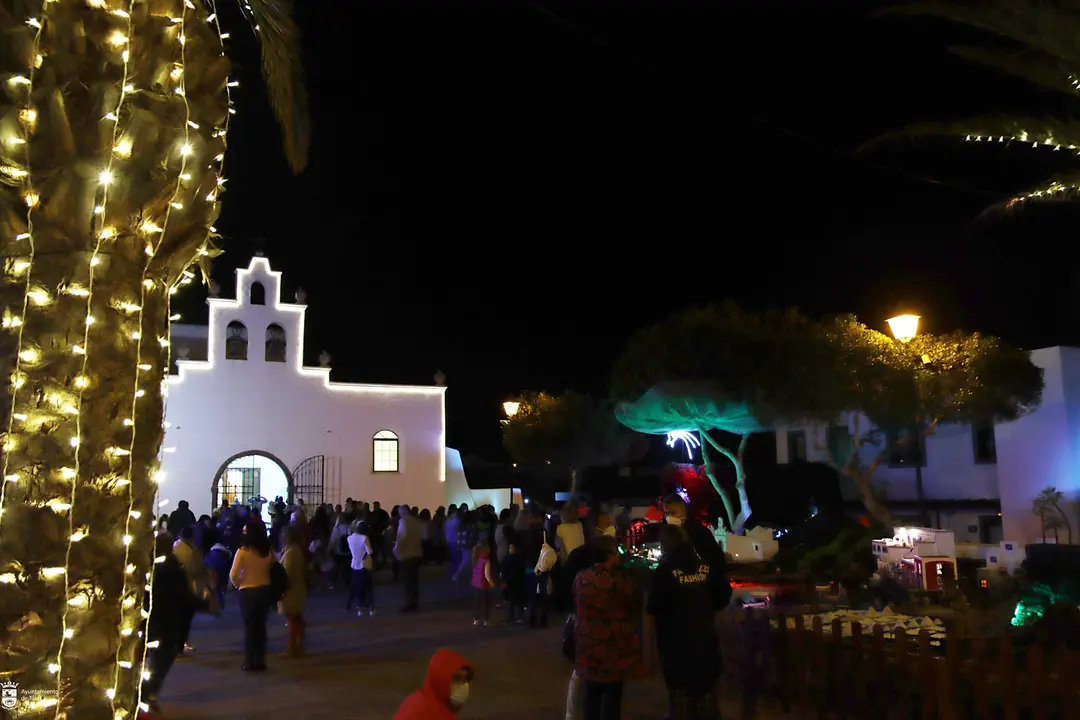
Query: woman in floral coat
(294, 601)
(607, 640)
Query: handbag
(279, 581)
(568, 639)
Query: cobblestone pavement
(362, 668)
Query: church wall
(221, 407)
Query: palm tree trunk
(1065, 519)
(116, 187)
(83, 444)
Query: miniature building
(917, 555)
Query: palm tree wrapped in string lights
(113, 123)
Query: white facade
(270, 404)
(1036, 451)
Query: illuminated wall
(219, 407)
(1038, 450)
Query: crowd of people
(529, 562)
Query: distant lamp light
(904, 327)
(511, 408)
(687, 438)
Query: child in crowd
(513, 583)
(322, 565)
(482, 582)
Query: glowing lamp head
(511, 408)
(904, 327)
(105, 177)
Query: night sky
(505, 190)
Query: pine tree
(113, 122)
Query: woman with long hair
(250, 574)
(294, 601)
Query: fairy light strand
(27, 120)
(114, 149)
(130, 484)
(153, 523)
(186, 150)
(100, 238)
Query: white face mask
(459, 693)
(676, 521)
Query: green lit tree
(720, 370)
(113, 121)
(888, 388)
(1032, 41)
(1047, 505)
(568, 432)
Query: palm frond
(1046, 25)
(1036, 67)
(283, 72)
(1050, 132)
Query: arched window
(385, 453)
(275, 343)
(258, 294)
(236, 341)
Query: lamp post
(511, 408)
(904, 328)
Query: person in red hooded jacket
(445, 690)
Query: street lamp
(511, 408)
(904, 328)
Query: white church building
(246, 418)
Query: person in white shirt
(570, 535)
(363, 586)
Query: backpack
(279, 581)
(548, 557)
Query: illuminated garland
(27, 120)
(130, 260)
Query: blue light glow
(688, 439)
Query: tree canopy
(571, 431)
(735, 361)
(723, 368)
(951, 378)
(719, 368)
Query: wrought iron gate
(309, 481)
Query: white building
(979, 482)
(245, 417)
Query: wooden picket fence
(807, 672)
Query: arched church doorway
(252, 477)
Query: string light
(114, 37)
(27, 118)
(1051, 189)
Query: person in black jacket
(680, 627)
(705, 545)
(170, 600)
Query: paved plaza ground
(362, 668)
